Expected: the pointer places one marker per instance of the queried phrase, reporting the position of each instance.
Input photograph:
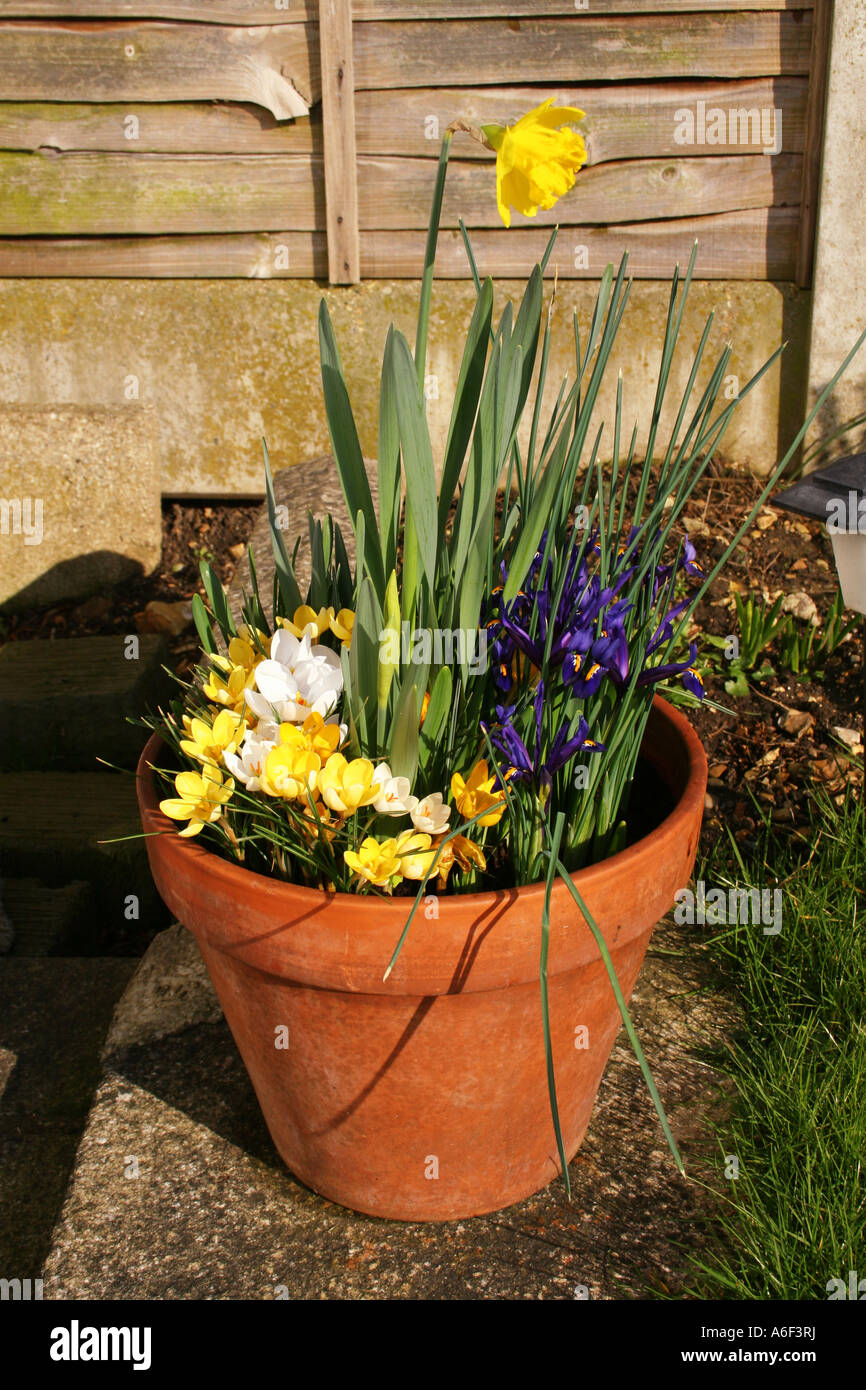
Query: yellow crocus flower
(415, 855)
(377, 863)
(207, 743)
(475, 794)
(313, 736)
(290, 772)
(536, 162)
(342, 625)
(200, 798)
(346, 786)
(233, 674)
(306, 622)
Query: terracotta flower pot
(425, 1097)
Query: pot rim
(693, 790)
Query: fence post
(338, 123)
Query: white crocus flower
(395, 798)
(246, 767)
(298, 679)
(431, 815)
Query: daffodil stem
(429, 259)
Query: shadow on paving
(55, 1014)
(179, 1193)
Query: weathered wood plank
(396, 193)
(134, 127)
(637, 121)
(243, 255)
(815, 110)
(275, 67)
(581, 49)
(754, 245)
(623, 121)
(289, 11)
(338, 123)
(86, 194)
(99, 194)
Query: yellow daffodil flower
(313, 736)
(377, 863)
(476, 794)
(346, 786)
(200, 798)
(290, 772)
(536, 161)
(207, 743)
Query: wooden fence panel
(182, 148)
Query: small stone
(171, 618)
(849, 737)
(92, 610)
(797, 721)
(802, 605)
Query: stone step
(82, 500)
(177, 1191)
(62, 827)
(65, 704)
(47, 921)
(54, 1017)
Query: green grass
(796, 1216)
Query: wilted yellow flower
(313, 736)
(536, 162)
(461, 851)
(290, 772)
(346, 786)
(200, 798)
(377, 863)
(476, 794)
(208, 744)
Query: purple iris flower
(691, 679)
(529, 766)
(665, 630)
